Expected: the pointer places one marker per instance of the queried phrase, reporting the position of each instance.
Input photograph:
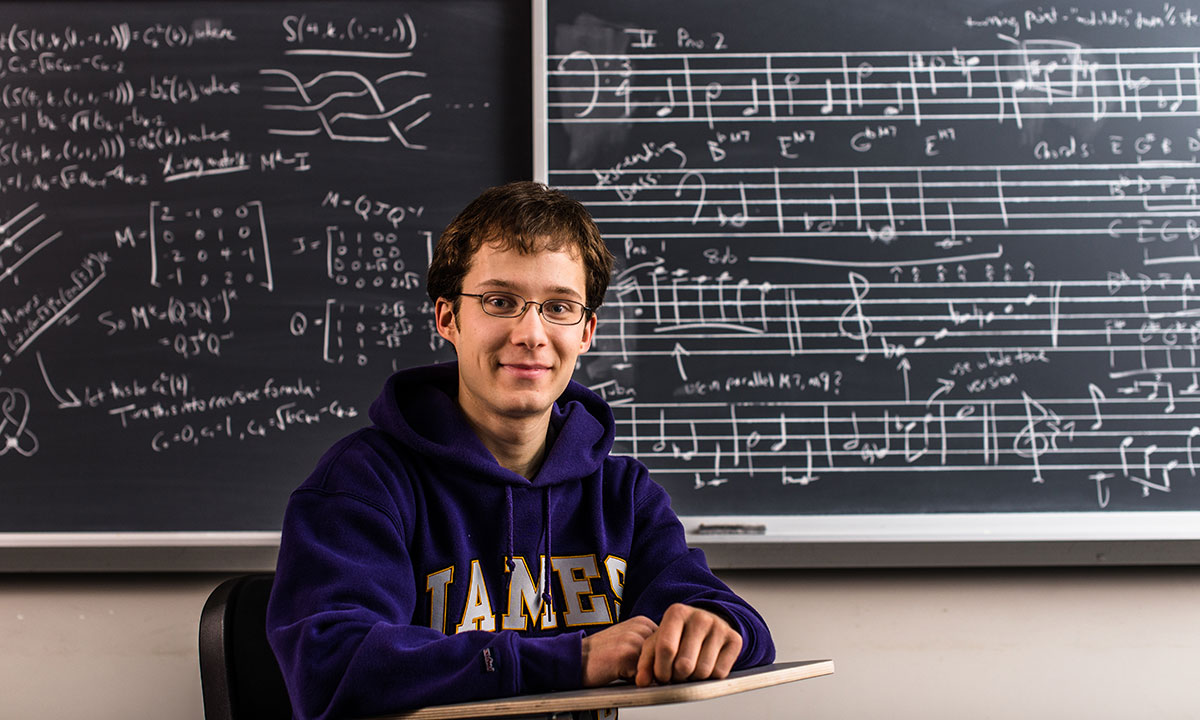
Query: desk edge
(619, 696)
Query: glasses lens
(502, 304)
(562, 312)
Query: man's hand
(612, 654)
(689, 644)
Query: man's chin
(527, 408)
(530, 402)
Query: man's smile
(526, 370)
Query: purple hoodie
(413, 571)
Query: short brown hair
(527, 217)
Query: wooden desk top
(623, 695)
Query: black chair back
(238, 672)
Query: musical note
(853, 443)
(808, 477)
(1103, 492)
(1192, 434)
(662, 432)
(899, 106)
(791, 81)
(669, 108)
(914, 62)
(1097, 395)
(911, 455)
(753, 109)
(712, 92)
(687, 455)
(965, 67)
(1178, 92)
(783, 436)
(826, 107)
(861, 73)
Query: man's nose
(530, 329)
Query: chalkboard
(214, 224)
(893, 263)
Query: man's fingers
(645, 664)
(689, 644)
(638, 632)
(666, 644)
(716, 658)
(692, 642)
(727, 657)
(706, 660)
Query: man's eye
(500, 302)
(555, 307)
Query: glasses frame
(525, 307)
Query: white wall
(1096, 643)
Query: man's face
(513, 368)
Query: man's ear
(447, 325)
(589, 332)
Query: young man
(478, 540)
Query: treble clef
(853, 323)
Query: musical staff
(806, 442)
(1035, 80)
(945, 204)
(856, 318)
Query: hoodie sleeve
(339, 622)
(664, 571)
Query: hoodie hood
(418, 408)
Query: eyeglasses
(510, 305)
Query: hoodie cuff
(551, 663)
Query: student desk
(607, 699)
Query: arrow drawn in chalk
(63, 403)
(904, 367)
(678, 351)
(947, 386)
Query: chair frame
(220, 638)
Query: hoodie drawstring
(546, 594)
(509, 563)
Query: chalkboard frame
(945, 540)
(763, 542)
